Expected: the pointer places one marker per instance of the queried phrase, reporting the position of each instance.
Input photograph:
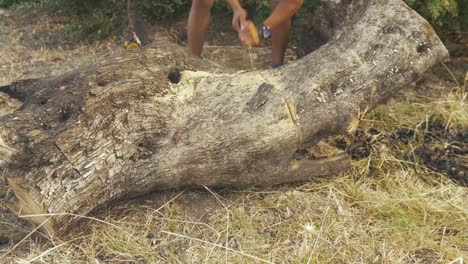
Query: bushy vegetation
(98, 19)
(91, 19)
(447, 13)
(17, 4)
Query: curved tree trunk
(156, 118)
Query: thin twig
(24, 238)
(170, 201)
(458, 260)
(79, 216)
(216, 245)
(250, 56)
(318, 236)
(451, 74)
(227, 219)
(54, 248)
(191, 222)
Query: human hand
(238, 19)
(248, 34)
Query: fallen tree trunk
(156, 118)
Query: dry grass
(384, 210)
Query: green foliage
(90, 19)
(99, 25)
(463, 12)
(8, 3)
(258, 9)
(306, 12)
(18, 4)
(442, 13)
(95, 19)
(163, 9)
(98, 19)
(85, 18)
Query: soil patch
(450, 158)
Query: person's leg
(198, 22)
(279, 38)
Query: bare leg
(198, 22)
(280, 38)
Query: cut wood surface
(157, 118)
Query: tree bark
(157, 118)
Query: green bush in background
(445, 13)
(163, 9)
(18, 4)
(89, 18)
(95, 19)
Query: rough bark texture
(156, 118)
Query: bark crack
(291, 111)
(290, 108)
(66, 157)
